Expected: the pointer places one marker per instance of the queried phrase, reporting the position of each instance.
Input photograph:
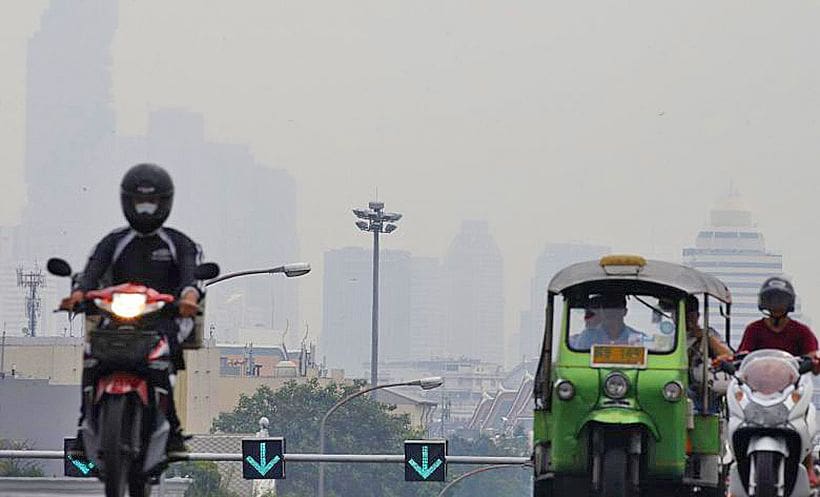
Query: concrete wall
(39, 413)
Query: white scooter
(771, 424)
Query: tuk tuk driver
(610, 329)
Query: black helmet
(146, 193)
(776, 292)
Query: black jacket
(164, 260)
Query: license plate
(618, 355)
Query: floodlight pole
(376, 221)
(374, 336)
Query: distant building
(347, 305)
(555, 257)
(428, 310)
(732, 248)
(465, 382)
(215, 377)
(242, 212)
(474, 270)
(70, 130)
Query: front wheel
(138, 487)
(116, 466)
(766, 473)
(616, 471)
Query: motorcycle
(771, 424)
(125, 428)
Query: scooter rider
(777, 330)
(147, 253)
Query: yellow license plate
(618, 355)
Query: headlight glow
(672, 391)
(128, 305)
(565, 390)
(616, 386)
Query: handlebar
(805, 364)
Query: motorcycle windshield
(769, 372)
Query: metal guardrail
(331, 458)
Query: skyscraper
(428, 309)
(474, 270)
(70, 126)
(242, 212)
(732, 248)
(555, 257)
(347, 305)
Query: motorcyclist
(145, 252)
(777, 330)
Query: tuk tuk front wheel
(616, 473)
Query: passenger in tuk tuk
(604, 318)
(694, 337)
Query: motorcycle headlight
(672, 391)
(616, 386)
(565, 390)
(128, 305)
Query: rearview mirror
(296, 269)
(58, 267)
(206, 271)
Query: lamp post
(424, 383)
(290, 270)
(376, 221)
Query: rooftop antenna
(31, 282)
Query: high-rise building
(474, 270)
(428, 310)
(555, 257)
(242, 212)
(733, 249)
(347, 306)
(70, 127)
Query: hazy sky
(610, 122)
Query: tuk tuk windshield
(640, 320)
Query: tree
(362, 426)
(512, 481)
(18, 467)
(207, 482)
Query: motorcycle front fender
(768, 444)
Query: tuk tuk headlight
(672, 391)
(565, 390)
(616, 386)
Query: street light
(376, 221)
(290, 270)
(424, 383)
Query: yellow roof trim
(622, 260)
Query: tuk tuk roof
(686, 279)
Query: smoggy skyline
(608, 124)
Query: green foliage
(207, 482)
(361, 426)
(18, 467)
(507, 481)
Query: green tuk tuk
(616, 413)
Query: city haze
(586, 122)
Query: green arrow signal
(263, 466)
(426, 469)
(84, 468)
